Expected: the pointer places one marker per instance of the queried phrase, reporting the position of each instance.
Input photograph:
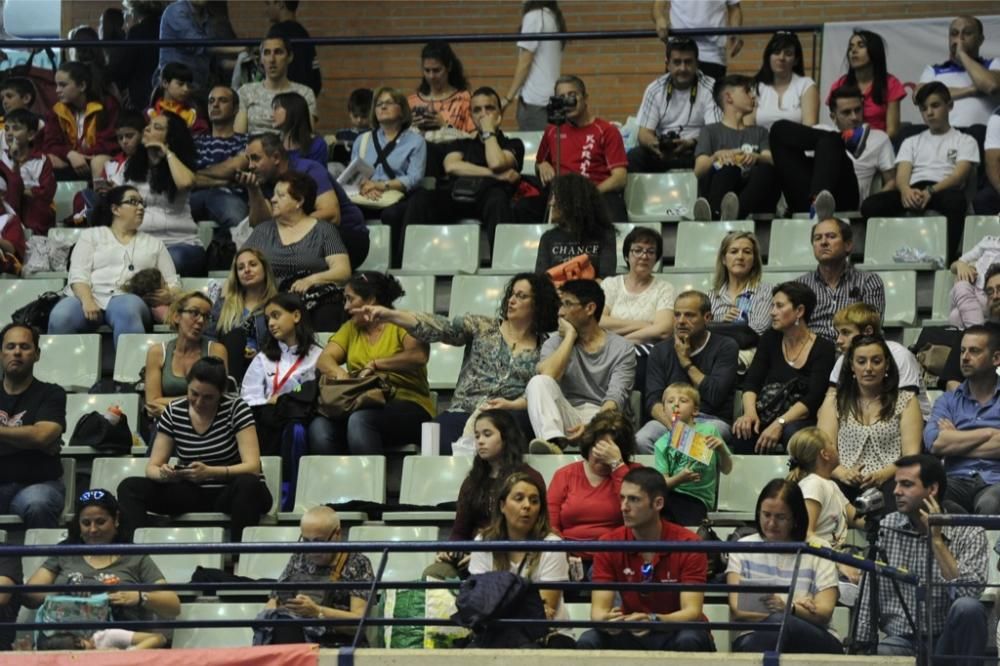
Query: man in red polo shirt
(643, 495)
(589, 146)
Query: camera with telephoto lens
(667, 140)
(558, 106)
(869, 502)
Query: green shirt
(668, 460)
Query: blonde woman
(739, 293)
(238, 317)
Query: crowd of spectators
(166, 144)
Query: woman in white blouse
(637, 305)
(105, 257)
(783, 90)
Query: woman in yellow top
(369, 347)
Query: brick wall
(616, 72)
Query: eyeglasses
(642, 252)
(91, 495)
(133, 202)
(386, 103)
(568, 304)
(194, 313)
(325, 539)
(521, 296)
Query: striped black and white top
(217, 445)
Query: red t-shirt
(579, 511)
(872, 113)
(621, 567)
(591, 151)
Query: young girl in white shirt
(812, 457)
(289, 353)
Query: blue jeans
(189, 260)
(126, 313)
(221, 205)
(685, 640)
(39, 505)
(964, 634)
(801, 636)
(368, 431)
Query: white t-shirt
(623, 304)
(113, 639)
(935, 156)
(831, 526)
(910, 374)
(993, 133)
(983, 254)
(678, 112)
(552, 568)
(878, 157)
(968, 110)
(771, 107)
(541, 81)
(703, 14)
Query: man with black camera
(585, 144)
(674, 109)
(958, 618)
(964, 426)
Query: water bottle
(743, 305)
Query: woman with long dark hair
(873, 422)
(583, 226)
(538, 64)
(500, 449)
(293, 121)
(504, 350)
(164, 174)
(81, 125)
(880, 90)
(442, 97)
(784, 92)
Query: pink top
(579, 511)
(874, 114)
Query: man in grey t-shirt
(733, 163)
(584, 370)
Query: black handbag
(775, 399)
(484, 598)
(745, 337)
(94, 430)
(36, 313)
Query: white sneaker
(730, 208)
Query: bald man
(319, 525)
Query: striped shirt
(307, 255)
(216, 149)
(760, 305)
(854, 287)
(682, 111)
(217, 445)
(907, 548)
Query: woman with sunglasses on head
(104, 258)
(520, 514)
(784, 92)
(168, 363)
(212, 434)
(880, 90)
(782, 516)
(96, 522)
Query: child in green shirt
(691, 482)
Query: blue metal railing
(386, 548)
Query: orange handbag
(577, 268)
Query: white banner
(910, 46)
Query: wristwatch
(653, 618)
(143, 598)
(781, 420)
(483, 136)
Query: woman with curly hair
(583, 226)
(163, 172)
(584, 501)
(503, 355)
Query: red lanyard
(277, 370)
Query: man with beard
(964, 427)
(692, 356)
(32, 421)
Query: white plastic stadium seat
(427, 481)
(178, 568)
(216, 637)
(399, 566)
(698, 244)
(660, 197)
(335, 480)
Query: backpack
(495, 595)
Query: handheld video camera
(558, 106)
(869, 502)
